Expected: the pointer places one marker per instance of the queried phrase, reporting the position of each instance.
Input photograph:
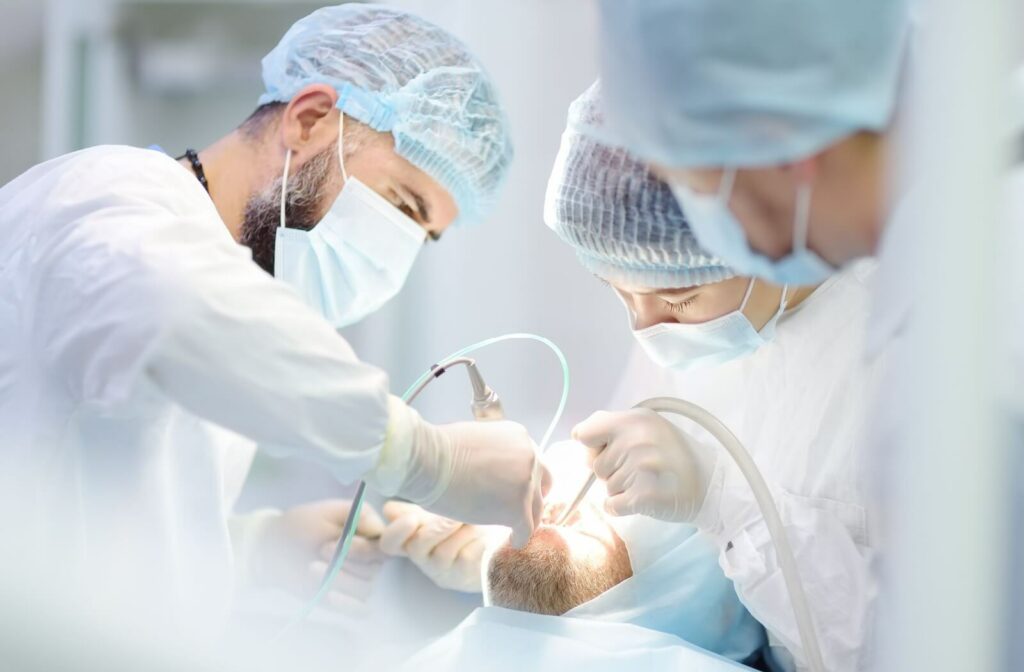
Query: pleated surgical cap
(623, 222)
(712, 83)
(400, 74)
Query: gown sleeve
(148, 290)
(835, 566)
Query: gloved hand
(650, 466)
(477, 472)
(450, 553)
(290, 550)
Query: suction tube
(766, 503)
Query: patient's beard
(545, 578)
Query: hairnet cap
(624, 223)
(401, 74)
(741, 83)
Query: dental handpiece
(486, 404)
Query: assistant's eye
(682, 306)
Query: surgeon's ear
(309, 123)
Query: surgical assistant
(767, 142)
(812, 134)
(780, 366)
(144, 354)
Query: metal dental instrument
(576, 502)
(486, 404)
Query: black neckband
(197, 168)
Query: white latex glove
(649, 465)
(478, 472)
(450, 553)
(290, 550)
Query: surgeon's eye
(407, 211)
(682, 306)
(416, 215)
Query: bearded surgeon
(159, 318)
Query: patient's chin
(557, 570)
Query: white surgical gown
(142, 354)
(798, 405)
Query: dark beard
(302, 208)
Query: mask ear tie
(341, 146)
(284, 184)
(802, 216)
(746, 297)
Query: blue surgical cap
(623, 222)
(400, 74)
(742, 83)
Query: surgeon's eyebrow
(424, 213)
(422, 210)
(414, 201)
(421, 206)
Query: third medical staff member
(142, 347)
(801, 135)
(771, 125)
(780, 366)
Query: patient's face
(561, 567)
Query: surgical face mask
(685, 346)
(720, 233)
(355, 259)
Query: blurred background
(182, 73)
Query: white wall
(21, 25)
